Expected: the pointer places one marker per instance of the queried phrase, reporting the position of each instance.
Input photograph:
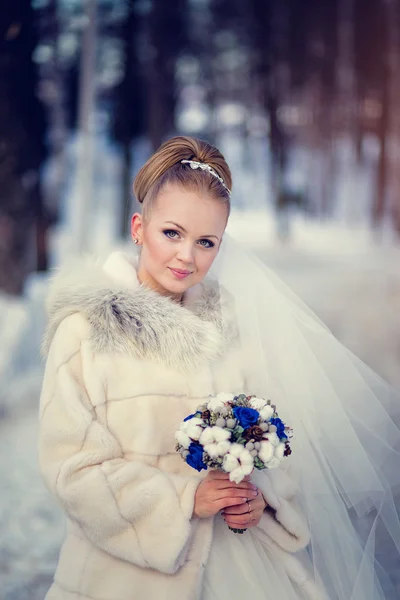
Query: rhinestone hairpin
(194, 164)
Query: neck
(147, 280)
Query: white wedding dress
(239, 566)
(346, 449)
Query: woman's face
(180, 241)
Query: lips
(179, 274)
(180, 271)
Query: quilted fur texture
(124, 367)
(132, 319)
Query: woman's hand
(216, 493)
(246, 515)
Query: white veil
(346, 445)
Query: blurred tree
(154, 37)
(323, 52)
(269, 37)
(51, 91)
(394, 77)
(84, 176)
(372, 58)
(164, 42)
(313, 63)
(23, 222)
(129, 116)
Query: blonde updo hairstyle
(164, 167)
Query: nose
(186, 253)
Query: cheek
(204, 260)
(158, 249)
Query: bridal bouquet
(234, 434)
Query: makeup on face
(181, 240)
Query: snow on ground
(353, 285)
(13, 321)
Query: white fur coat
(124, 366)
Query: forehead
(190, 209)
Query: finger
(230, 501)
(243, 519)
(238, 521)
(244, 485)
(224, 477)
(214, 474)
(234, 525)
(241, 509)
(251, 506)
(219, 494)
(258, 504)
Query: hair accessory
(194, 164)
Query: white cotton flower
(247, 469)
(238, 462)
(236, 450)
(220, 435)
(212, 450)
(237, 475)
(257, 403)
(274, 463)
(207, 436)
(230, 463)
(183, 426)
(195, 429)
(223, 448)
(273, 438)
(266, 451)
(246, 458)
(183, 439)
(266, 412)
(225, 397)
(279, 451)
(217, 449)
(215, 404)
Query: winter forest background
(302, 97)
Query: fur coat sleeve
(282, 521)
(130, 510)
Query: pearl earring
(135, 241)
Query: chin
(177, 286)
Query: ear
(137, 227)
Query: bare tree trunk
(126, 189)
(346, 79)
(41, 229)
(85, 150)
(394, 74)
(379, 204)
(22, 149)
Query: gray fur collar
(129, 318)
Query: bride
(137, 344)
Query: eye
(209, 242)
(167, 232)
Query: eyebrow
(183, 229)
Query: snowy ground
(352, 285)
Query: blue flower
(195, 457)
(189, 417)
(280, 428)
(246, 416)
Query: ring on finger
(249, 512)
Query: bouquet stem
(237, 530)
